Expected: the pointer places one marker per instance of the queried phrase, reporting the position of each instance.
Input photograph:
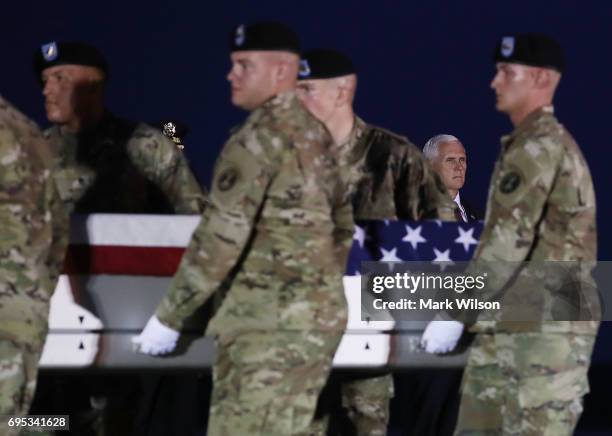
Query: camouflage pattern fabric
(541, 207)
(367, 402)
(31, 253)
(510, 389)
(277, 231)
(393, 180)
(123, 167)
(267, 383)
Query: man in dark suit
(447, 157)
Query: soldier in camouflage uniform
(31, 255)
(528, 378)
(104, 164)
(107, 164)
(277, 230)
(391, 179)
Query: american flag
(394, 241)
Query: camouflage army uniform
(278, 228)
(529, 378)
(123, 167)
(391, 179)
(30, 256)
(118, 166)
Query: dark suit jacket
(472, 213)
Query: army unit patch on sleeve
(510, 182)
(227, 179)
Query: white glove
(441, 336)
(155, 338)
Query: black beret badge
(304, 70)
(507, 46)
(49, 51)
(510, 182)
(227, 179)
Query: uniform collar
(534, 118)
(354, 148)
(285, 99)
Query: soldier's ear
(543, 78)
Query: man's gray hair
(431, 147)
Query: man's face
(68, 91)
(252, 77)
(451, 164)
(512, 84)
(319, 96)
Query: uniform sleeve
(516, 205)
(60, 231)
(167, 167)
(241, 179)
(344, 223)
(422, 194)
(518, 200)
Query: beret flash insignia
(507, 46)
(49, 51)
(240, 36)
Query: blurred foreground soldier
(392, 180)
(107, 164)
(31, 254)
(448, 158)
(529, 378)
(278, 229)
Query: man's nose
(48, 88)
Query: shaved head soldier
(278, 229)
(392, 180)
(529, 377)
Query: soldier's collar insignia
(507, 46)
(240, 35)
(510, 182)
(49, 51)
(304, 70)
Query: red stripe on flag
(112, 259)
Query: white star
(442, 258)
(359, 235)
(466, 238)
(414, 236)
(389, 256)
(386, 222)
(438, 222)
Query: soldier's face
(320, 97)
(512, 85)
(252, 77)
(69, 91)
(451, 164)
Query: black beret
(324, 64)
(265, 36)
(530, 49)
(68, 53)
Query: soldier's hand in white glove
(155, 339)
(441, 336)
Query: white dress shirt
(457, 200)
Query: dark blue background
(425, 68)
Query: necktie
(458, 215)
